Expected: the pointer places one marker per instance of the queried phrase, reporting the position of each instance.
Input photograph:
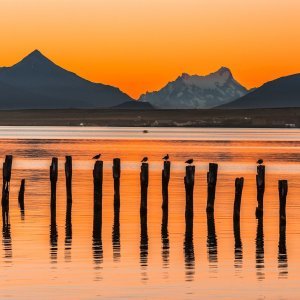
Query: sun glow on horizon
(140, 45)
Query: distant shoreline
(223, 118)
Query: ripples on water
(68, 254)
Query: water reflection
(238, 247)
(189, 254)
(282, 252)
(144, 247)
(53, 236)
(260, 251)
(116, 237)
(7, 244)
(212, 246)
(165, 252)
(68, 232)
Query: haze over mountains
(194, 91)
(36, 82)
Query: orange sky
(139, 45)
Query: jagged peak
(35, 57)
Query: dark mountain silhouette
(134, 105)
(282, 92)
(194, 91)
(36, 82)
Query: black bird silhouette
(189, 161)
(97, 156)
(260, 162)
(166, 157)
(145, 159)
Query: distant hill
(194, 91)
(282, 92)
(134, 105)
(36, 82)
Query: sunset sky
(139, 45)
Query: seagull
(260, 162)
(166, 157)
(96, 156)
(189, 161)
(145, 159)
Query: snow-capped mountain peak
(196, 91)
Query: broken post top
(144, 176)
(283, 188)
(98, 170)
(54, 169)
(166, 170)
(212, 174)
(260, 177)
(68, 167)
(7, 167)
(116, 168)
(239, 183)
(189, 174)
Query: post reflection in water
(212, 246)
(260, 251)
(144, 247)
(282, 252)
(165, 240)
(116, 237)
(7, 244)
(189, 254)
(238, 247)
(68, 228)
(53, 236)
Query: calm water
(218, 263)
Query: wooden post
(144, 178)
(211, 186)
(260, 185)
(53, 179)
(116, 177)
(165, 183)
(68, 173)
(7, 165)
(283, 190)
(189, 181)
(239, 183)
(21, 197)
(98, 183)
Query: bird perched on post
(145, 159)
(97, 156)
(166, 157)
(189, 161)
(260, 162)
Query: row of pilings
(189, 182)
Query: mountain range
(36, 82)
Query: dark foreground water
(39, 261)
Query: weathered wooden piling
(98, 183)
(116, 176)
(260, 185)
(53, 180)
(283, 190)
(165, 178)
(68, 174)
(144, 179)
(7, 165)
(239, 184)
(212, 175)
(189, 181)
(21, 197)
